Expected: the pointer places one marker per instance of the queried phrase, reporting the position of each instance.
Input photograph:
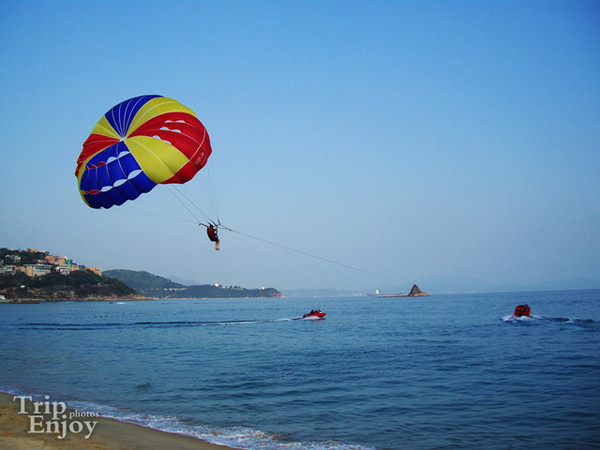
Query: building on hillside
(13, 258)
(36, 270)
(62, 261)
(7, 270)
(96, 270)
(60, 264)
(63, 270)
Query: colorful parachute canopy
(138, 144)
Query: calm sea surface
(447, 371)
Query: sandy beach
(18, 419)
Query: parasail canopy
(137, 144)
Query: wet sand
(106, 434)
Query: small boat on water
(522, 311)
(318, 314)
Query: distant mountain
(156, 286)
(183, 281)
(141, 279)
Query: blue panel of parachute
(114, 176)
(121, 115)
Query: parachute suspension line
(206, 197)
(190, 206)
(295, 250)
(184, 205)
(212, 192)
(207, 191)
(154, 213)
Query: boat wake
(512, 318)
(539, 319)
(142, 324)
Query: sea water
(446, 371)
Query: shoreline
(29, 301)
(21, 428)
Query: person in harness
(213, 234)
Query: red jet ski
(522, 311)
(315, 313)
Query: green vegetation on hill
(141, 279)
(78, 285)
(155, 286)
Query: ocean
(446, 371)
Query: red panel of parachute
(93, 144)
(187, 134)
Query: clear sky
(421, 141)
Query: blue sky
(425, 141)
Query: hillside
(155, 286)
(80, 285)
(142, 279)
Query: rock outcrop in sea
(416, 292)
